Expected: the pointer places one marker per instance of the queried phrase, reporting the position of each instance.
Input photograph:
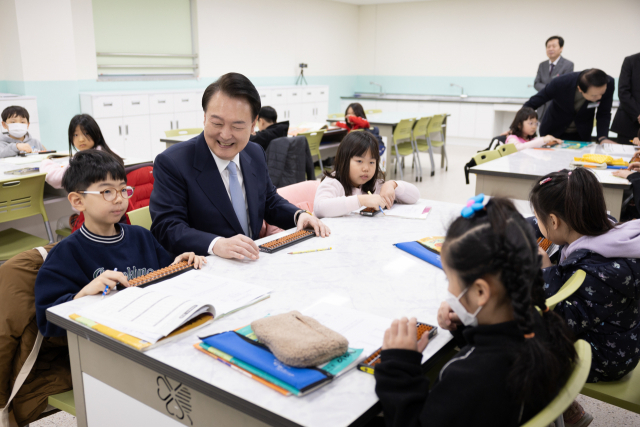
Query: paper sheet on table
(415, 211)
(606, 175)
(619, 149)
(24, 160)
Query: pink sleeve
(534, 143)
(406, 193)
(54, 172)
(330, 200)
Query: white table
(364, 271)
(514, 175)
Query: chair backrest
(403, 130)
(180, 132)
(420, 129)
(336, 116)
(22, 198)
(313, 139)
(486, 156)
(569, 287)
(376, 111)
(507, 149)
(141, 178)
(569, 392)
(357, 130)
(435, 128)
(141, 217)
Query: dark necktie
(551, 68)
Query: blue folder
(416, 249)
(304, 379)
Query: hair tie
(474, 205)
(529, 336)
(544, 181)
(546, 310)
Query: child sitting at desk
(15, 120)
(522, 131)
(355, 118)
(86, 262)
(512, 361)
(84, 133)
(570, 211)
(269, 128)
(358, 181)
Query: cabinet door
(467, 122)
(295, 114)
(309, 94)
(113, 131)
(485, 116)
(278, 97)
(158, 123)
(107, 106)
(294, 96)
(322, 111)
(189, 101)
(265, 96)
(307, 112)
(453, 122)
(137, 137)
(161, 103)
(190, 119)
(135, 105)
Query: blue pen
(106, 287)
(616, 167)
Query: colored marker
(312, 250)
(379, 207)
(106, 287)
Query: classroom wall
(491, 47)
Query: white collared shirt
(224, 174)
(554, 62)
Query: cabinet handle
(279, 94)
(171, 124)
(107, 104)
(120, 130)
(162, 101)
(185, 100)
(135, 102)
(127, 129)
(177, 124)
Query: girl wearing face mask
(522, 131)
(84, 134)
(15, 121)
(512, 360)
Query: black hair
(523, 114)
(498, 241)
(560, 40)
(90, 166)
(14, 111)
(592, 77)
(356, 144)
(575, 197)
(90, 128)
(269, 114)
(234, 85)
(358, 111)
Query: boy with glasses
(85, 263)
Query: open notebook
(144, 317)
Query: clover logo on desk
(176, 396)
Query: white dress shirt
(554, 62)
(224, 174)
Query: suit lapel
(250, 181)
(211, 183)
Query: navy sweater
(83, 256)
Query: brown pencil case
(299, 341)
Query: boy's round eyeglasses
(111, 193)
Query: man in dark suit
(554, 67)
(574, 99)
(211, 193)
(626, 123)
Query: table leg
(76, 378)
(387, 130)
(613, 197)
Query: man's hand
(239, 247)
(607, 141)
(309, 221)
(636, 141)
(191, 258)
(402, 335)
(108, 278)
(22, 146)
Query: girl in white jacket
(358, 181)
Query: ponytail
(499, 241)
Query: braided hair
(498, 241)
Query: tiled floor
(449, 186)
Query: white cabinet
(137, 137)
(297, 104)
(158, 123)
(111, 128)
(31, 105)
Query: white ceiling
(367, 2)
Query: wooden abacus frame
(286, 241)
(158, 275)
(368, 364)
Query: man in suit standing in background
(626, 123)
(554, 67)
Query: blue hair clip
(474, 205)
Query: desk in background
(515, 174)
(363, 271)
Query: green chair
(376, 111)
(141, 217)
(64, 402)
(437, 131)
(21, 198)
(624, 393)
(568, 393)
(486, 156)
(182, 132)
(506, 149)
(336, 116)
(570, 286)
(421, 141)
(403, 143)
(313, 139)
(62, 233)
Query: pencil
(311, 250)
(106, 287)
(379, 207)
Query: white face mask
(466, 318)
(17, 130)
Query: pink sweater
(521, 144)
(55, 171)
(331, 201)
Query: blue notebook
(416, 249)
(259, 356)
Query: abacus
(369, 212)
(158, 275)
(283, 242)
(547, 245)
(368, 364)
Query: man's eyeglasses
(110, 194)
